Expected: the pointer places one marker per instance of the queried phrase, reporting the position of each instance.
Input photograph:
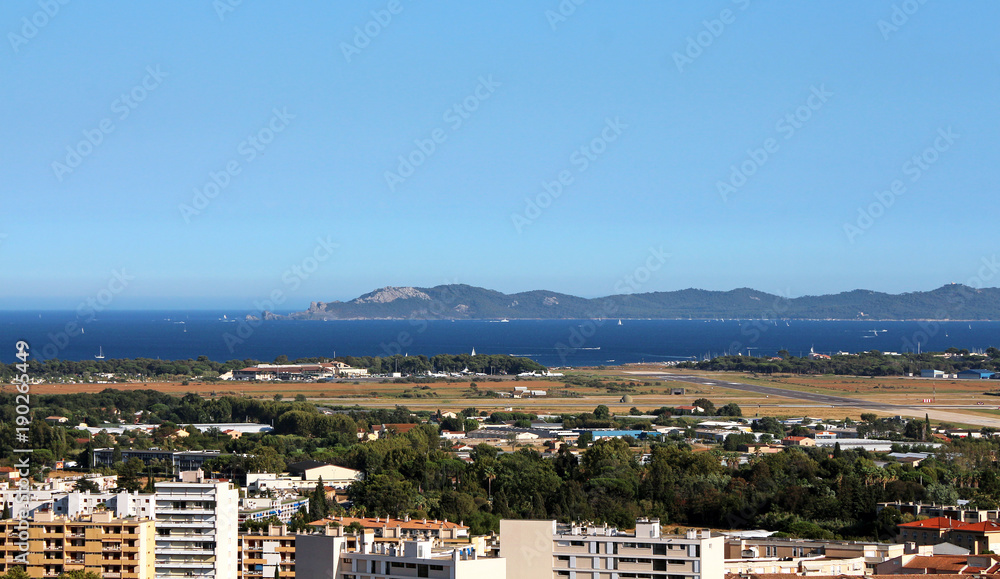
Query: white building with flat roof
(196, 529)
(545, 550)
(327, 556)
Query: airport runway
(838, 401)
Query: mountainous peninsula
(464, 302)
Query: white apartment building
(326, 556)
(76, 503)
(196, 529)
(545, 550)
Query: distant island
(465, 302)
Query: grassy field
(648, 392)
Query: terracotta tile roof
(984, 527)
(935, 523)
(951, 563)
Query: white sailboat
(100, 353)
(619, 321)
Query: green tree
(602, 412)
(941, 494)
(706, 405)
(384, 494)
(887, 520)
(17, 572)
(355, 528)
(768, 424)
(128, 474)
(317, 502)
(78, 574)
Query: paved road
(839, 401)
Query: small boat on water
(100, 353)
(619, 321)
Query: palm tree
(490, 473)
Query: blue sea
(226, 335)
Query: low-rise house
(760, 448)
(9, 474)
(314, 470)
(798, 441)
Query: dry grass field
(648, 392)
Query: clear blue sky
(879, 94)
